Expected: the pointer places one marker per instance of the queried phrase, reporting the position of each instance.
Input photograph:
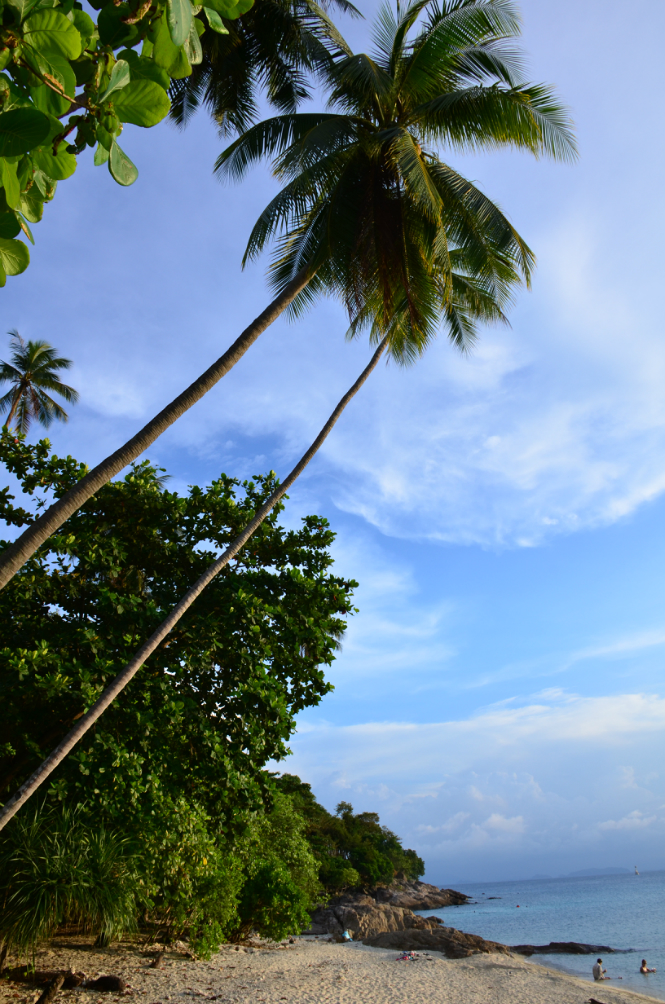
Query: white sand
(317, 972)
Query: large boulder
(454, 944)
(382, 910)
(421, 896)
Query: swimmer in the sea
(644, 968)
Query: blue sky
(499, 698)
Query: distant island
(585, 873)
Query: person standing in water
(644, 968)
(599, 972)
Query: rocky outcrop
(452, 943)
(562, 948)
(420, 896)
(383, 910)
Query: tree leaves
(121, 167)
(142, 102)
(9, 225)
(58, 167)
(22, 129)
(14, 256)
(215, 21)
(179, 13)
(10, 183)
(119, 78)
(51, 31)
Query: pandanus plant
(370, 214)
(367, 196)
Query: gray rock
(452, 943)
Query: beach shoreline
(312, 971)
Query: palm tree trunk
(25, 546)
(12, 412)
(132, 667)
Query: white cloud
(513, 789)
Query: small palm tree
(32, 372)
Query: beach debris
(157, 961)
(52, 989)
(107, 984)
(42, 977)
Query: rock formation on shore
(383, 910)
(452, 943)
(563, 948)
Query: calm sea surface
(623, 911)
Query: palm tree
(367, 208)
(32, 372)
(274, 48)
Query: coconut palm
(369, 212)
(32, 372)
(274, 49)
(367, 201)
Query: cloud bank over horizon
(553, 783)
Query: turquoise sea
(626, 912)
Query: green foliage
(177, 763)
(55, 869)
(218, 698)
(280, 874)
(56, 63)
(352, 849)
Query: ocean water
(625, 912)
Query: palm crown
(368, 206)
(32, 372)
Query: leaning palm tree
(367, 202)
(32, 372)
(464, 299)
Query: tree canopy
(352, 849)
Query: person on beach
(599, 972)
(644, 968)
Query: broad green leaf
(119, 78)
(5, 58)
(3, 275)
(180, 67)
(192, 46)
(165, 52)
(101, 155)
(121, 167)
(215, 21)
(10, 183)
(141, 68)
(22, 129)
(179, 14)
(229, 9)
(112, 29)
(58, 71)
(25, 228)
(46, 186)
(50, 31)
(142, 102)
(31, 205)
(9, 225)
(14, 256)
(60, 167)
(23, 7)
(84, 25)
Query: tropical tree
(368, 206)
(273, 51)
(32, 372)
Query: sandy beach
(311, 971)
